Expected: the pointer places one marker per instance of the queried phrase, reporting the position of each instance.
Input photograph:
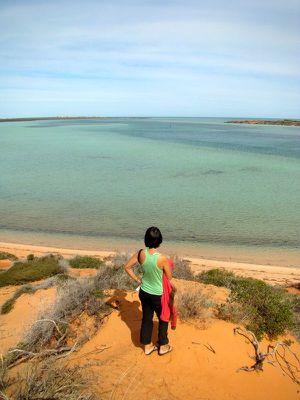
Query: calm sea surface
(205, 183)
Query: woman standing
(153, 266)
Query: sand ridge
(203, 364)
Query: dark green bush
(7, 256)
(217, 277)
(23, 272)
(295, 301)
(268, 309)
(263, 308)
(85, 262)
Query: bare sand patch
(5, 264)
(24, 313)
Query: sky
(150, 58)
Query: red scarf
(168, 312)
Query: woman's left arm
(128, 267)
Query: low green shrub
(268, 309)
(7, 256)
(217, 277)
(85, 262)
(23, 272)
(263, 308)
(295, 301)
(30, 257)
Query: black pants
(152, 303)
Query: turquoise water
(204, 182)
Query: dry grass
(114, 277)
(117, 260)
(47, 380)
(53, 331)
(73, 297)
(56, 280)
(192, 303)
(182, 269)
(4, 381)
(233, 312)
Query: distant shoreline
(282, 122)
(285, 122)
(45, 119)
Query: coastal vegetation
(182, 269)
(55, 280)
(31, 270)
(8, 305)
(286, 122)
(48, 380)
(7, 256)
(85, 262)
(192, 303)
(262, 308)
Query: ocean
(214, 189)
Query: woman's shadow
(130, 313)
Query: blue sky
(150, 58)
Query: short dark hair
(153, 237)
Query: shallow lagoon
(204, 182)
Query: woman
(153, 266)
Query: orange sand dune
(202, 366)
(24, 313)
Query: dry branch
(49, 320)
(287, 367)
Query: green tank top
(152, 274)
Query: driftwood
(291, 370)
